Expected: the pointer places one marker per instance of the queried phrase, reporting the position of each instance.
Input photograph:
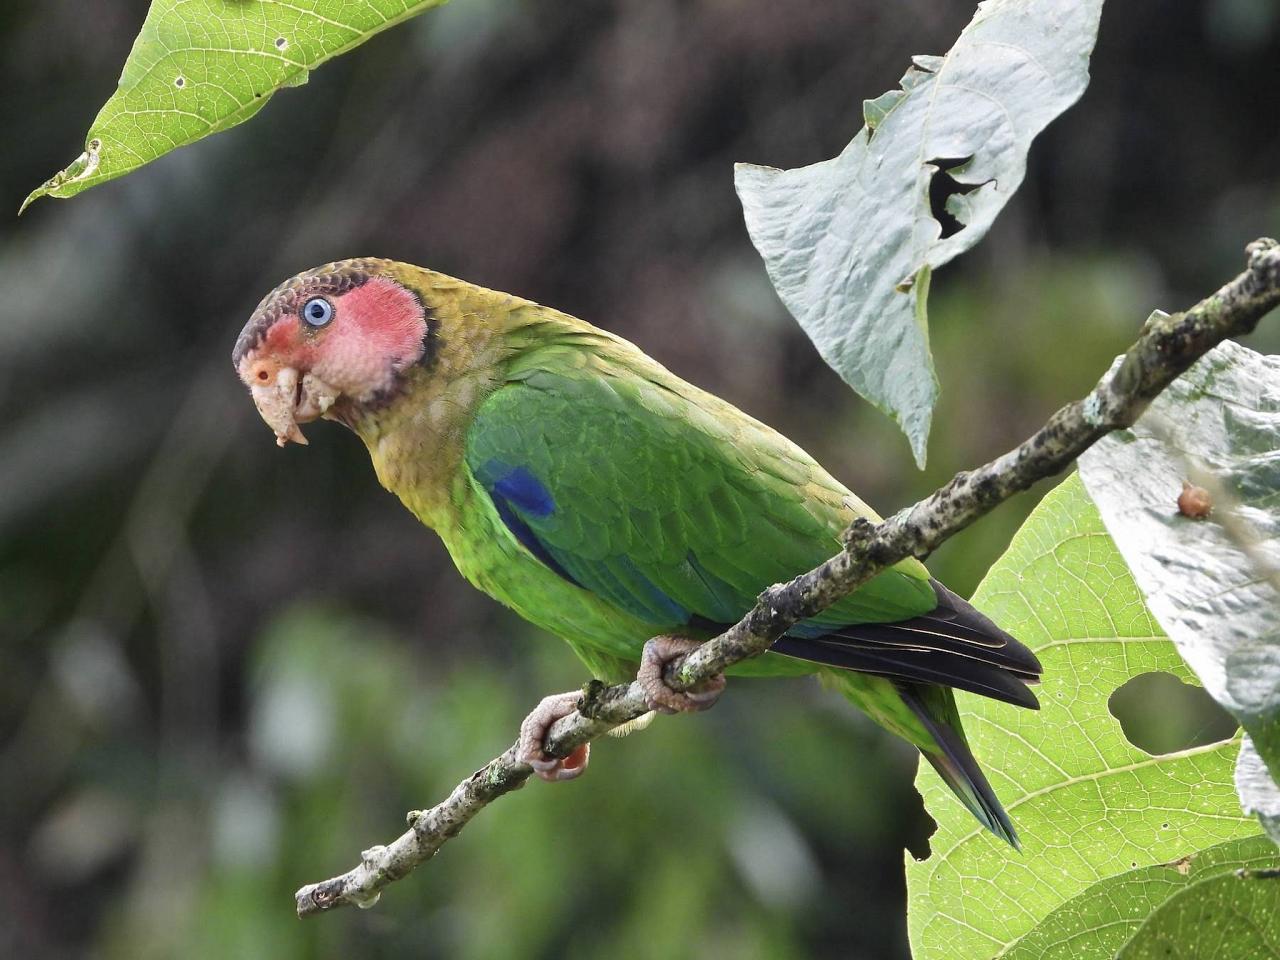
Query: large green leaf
(1101, 920)
(201, 66)
(1227, 917)
(1088, 804)
(1211, 583)
(850, 242)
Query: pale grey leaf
(1258, 792)
(1211, 582)
(847, 241)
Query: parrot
(606, 500)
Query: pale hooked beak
(287, 402)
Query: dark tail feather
(954, 761)
(907, 665)
(954, 644)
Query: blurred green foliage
(206, 643)
(346, 731)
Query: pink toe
(555, 769)
(576, 762)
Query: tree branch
(1166, 346)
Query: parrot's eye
(317, 312)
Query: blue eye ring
(317, 312)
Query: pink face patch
(377, 331)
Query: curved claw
(556, 769)
(659, 652)
(533, 731)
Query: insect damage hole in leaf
(1161, 714)
(942, 187)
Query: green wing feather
(673, 507)
(665, 500)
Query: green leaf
(1227, 917)
(846, 240)
(1089, 806)
(1101, 920)
(201, 66)
(1212, 583)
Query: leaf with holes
(850, 243)
(1213, 582)
(202, 66)
(1088, 805)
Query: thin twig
(1166, 346)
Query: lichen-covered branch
(1166, 346)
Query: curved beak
(290, 401)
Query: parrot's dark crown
(332, 279)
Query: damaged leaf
(1089, 806)
(1211, 581)
(846, 240)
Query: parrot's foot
(660, 651)
(533, 731)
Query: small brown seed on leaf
(1194, 502)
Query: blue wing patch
(515, 491)
(522, 500)
(528, 539)
(520, 488)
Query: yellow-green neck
(415, 438)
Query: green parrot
(606, 500)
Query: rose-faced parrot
(606, 500)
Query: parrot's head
(330, 341)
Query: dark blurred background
(226, 668)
